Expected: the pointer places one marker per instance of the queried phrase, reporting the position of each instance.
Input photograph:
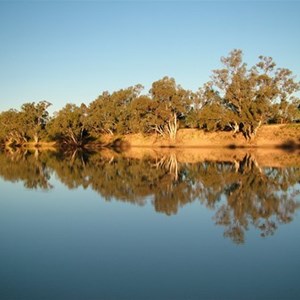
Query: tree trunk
(172, 127)
(36, 138)
(255, 127)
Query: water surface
(168, 225)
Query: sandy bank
(267, 136)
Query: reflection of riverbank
(244, 188)
(32, 146)
(265, 157)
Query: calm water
(106, 226)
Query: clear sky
(65, 51)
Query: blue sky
(72, 51)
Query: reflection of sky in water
(72, 244)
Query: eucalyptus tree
(34, 118)
(142, 114)
(12, 127)
(286, 112)
(211, 114)
(110, 112)
(18, 127)
(249, 94)
(171, 103)
(69, 125)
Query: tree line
(237, 98)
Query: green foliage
(252, 96)
(69, 125)
(142, 114)
(111, 113)
(286, 112)
(171, 103)
(126, 111)
(17, 127)
(11, 129)
(34, 118)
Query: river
(163, 224)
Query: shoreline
(264, 156)
(268, 137)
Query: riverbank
(268, 136)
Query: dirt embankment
(268, 136)
(274, 146)
(192, 145)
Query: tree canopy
(251, 96)
(29, 123)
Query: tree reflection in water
(241, 193)
(29, 167)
